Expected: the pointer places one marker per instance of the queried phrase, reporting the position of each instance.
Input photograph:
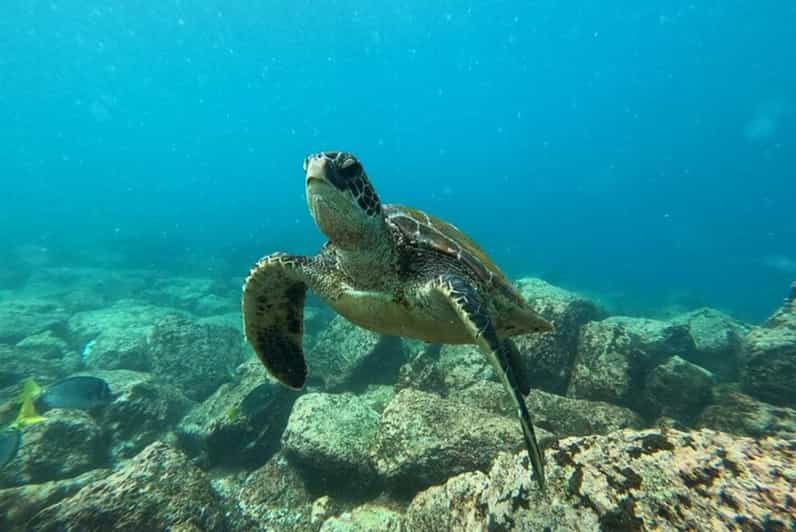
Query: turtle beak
(316, 167)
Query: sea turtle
(391, 269)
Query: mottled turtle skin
(391, 269)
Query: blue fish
(9, 445)
(81, 392)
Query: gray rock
(116, 337)
(615, 355)
(768, 369)
(378, 396)
(196, 358)
(144, 410)
(445, 369)
(462, 366)
(274, 497)
(344, 356)
(123, 314)
(717, 339)
(559, 415)
(365, 518)
(18, 505)
(739, 413)
(625, 480)
(119, 349)
(423, 439)
(16, 366)
(785, 316)
(678, 389)
(421, 372)
(43, 345)
(323, 508)
(549, 356)
(84, 288)
(330, 434)
(20, 318)
(159, 489)
(212, 305)
(241, 423)
(181, 292)
(66, 444)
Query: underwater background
(640, 153)
(631, 166)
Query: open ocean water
(641, 152)
(641, 156)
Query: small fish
(9, 445)
(27, 411)
(82, 392)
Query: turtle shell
(426, 231)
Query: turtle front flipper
(474, 315)
(273, 315)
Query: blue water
(644, 153)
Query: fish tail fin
(27, 412)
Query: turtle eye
(350, 168)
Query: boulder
(785, 316)
(144, 410)
(66, 444)
(329, 436)
(626, 480)
(84, 288)
(21, 318)
(422, 373)
(182, 292)
(717, 340)
(196, 358)
(241, 423)
(423, 439)
(378, 396)
(118, 349)
(768, 365)
(462, 366)
(19, 504)
(549, 356)
(365, 518)
(159, 489)
(16, 366)
(275, 497)
(116, 337)
(344, 356)
(678, 389)
(616, 354)
(44, 345)
(738, 413)
(559, 415)
(212, 305)
(123, 314)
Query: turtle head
(341, 199)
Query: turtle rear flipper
(465, 302)
(273, 315)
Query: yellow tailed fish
(27, 412)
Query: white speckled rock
(626, 480)
(365, 518)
